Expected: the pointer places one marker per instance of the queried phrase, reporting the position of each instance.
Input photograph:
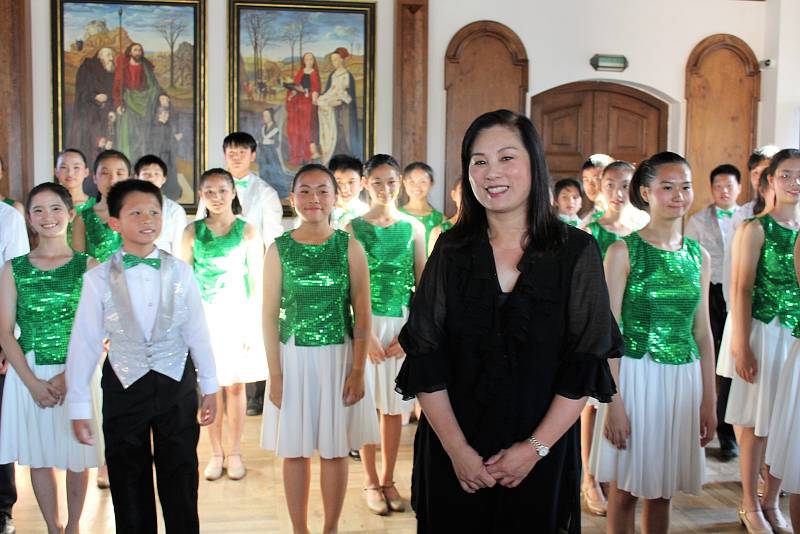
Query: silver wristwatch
(541, 450)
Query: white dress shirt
(715, 234)
(13, 234)
(174, 222)
(742, 213)
(261, 207)
(144, 288)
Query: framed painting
(301, 78)
(130, 76)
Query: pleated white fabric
(236, 340)
(664, 455)
(783, 445)
(313, 415)
(380, 377)
(750, 405)
(726, 365)
(597, 438)
(41, 437)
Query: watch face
(544, 451)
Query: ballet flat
(751, 529)
(376, 507)
(596, 506)
(776, 521)
(237, 472)
(395, 505)
(213, 470)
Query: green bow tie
(241, 183)
(129, 260)
(724, 213)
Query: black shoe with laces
(255, 406)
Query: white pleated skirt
(41, 437)
(237, 342)
(783, 445)
(313, 415)
(597, 438)
(750, 405)
(380, 377)
(664, 455)
(726, 365)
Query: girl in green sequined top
(90, 231)
(455, 195)
(664, 411)
(313, 277)
(224, 252)
(40, 292)
(417, 183)
(71, 170)
(395, 248)
(766, 301)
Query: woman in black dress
(509, 332)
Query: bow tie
(724, 213)
(129, 260)
(241, 183)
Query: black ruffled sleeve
(426, 367)
(592, 334)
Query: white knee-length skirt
(42, 437)
(663, 454)
(750, 405)
(381, 377)
(783, 445)
(313, 415)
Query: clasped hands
(508, 467)
(49, 393)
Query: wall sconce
(608, 62)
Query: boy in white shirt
(347, 171)
(152, 169)
(568, 199)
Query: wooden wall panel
(410, 124)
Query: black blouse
(503, 358)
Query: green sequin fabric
(775, 291)
(660, 301)
(220, 262)
(315, 295)
(101, 240)
(390, 255)
(80, 209)
(46, 305)
(604, 238)
(429, 221)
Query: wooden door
(583, 118)
(723, 82)
(486, 68)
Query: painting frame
(251, 95)
(180, 75)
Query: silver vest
(131, 354)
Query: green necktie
(724, 213)
(129, 260)
(241, 183)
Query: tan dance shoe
(751, 528)
(395, 505)
(235, 468)
(776, 520)
(597, 506)
(213, 470)
(375, 500)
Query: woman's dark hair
(763, 181)
(545, 231)
(236, 206)
(647, 170)
(58, 189)
(378, 160)
(315, 167)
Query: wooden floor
(256, 504)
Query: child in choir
(8, 200)
(766, 301)
(40, 293)
(568, 199)
(313, 277)
(590, 177)
(417, 183)
(91, 232)
(455, 195)
(347, 171)
(147, 304)
(152, 169)
(224, 251)
(712, 227)
(395, 248)
(71, 170)
(757, 163)
(783, 446)
(664, 410)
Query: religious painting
(301, 78)
(130, 76)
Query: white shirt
(174, 222)
(13, 234)
(341, 217)
(715, 234)
(261, 207)
(743, 212)
(144, 288)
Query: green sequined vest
(220, 262)
(429, 221)
(315, 294)
(660, 300)
(775, 291)
(80, 209)
(390, 255)
(101, 240)
(604, 238)
(46, 305)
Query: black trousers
(717, 316)
(8, 487)
(158, 408)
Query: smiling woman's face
(500, 170)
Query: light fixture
(609, 62)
